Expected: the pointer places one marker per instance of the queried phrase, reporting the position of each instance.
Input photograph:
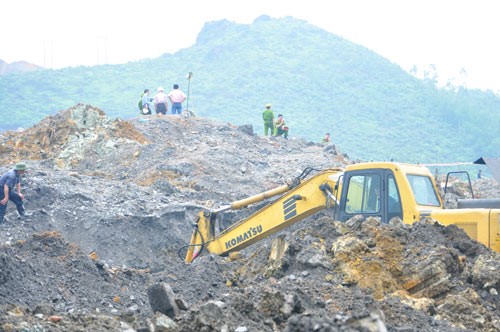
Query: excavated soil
(113, 201)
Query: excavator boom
(298, 201)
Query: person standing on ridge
(10, 189)
(161, 102)
(176, 97)
(146, 109)
(326, 139)
(268, 117)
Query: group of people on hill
(161, 100)
(278, 127)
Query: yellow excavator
(376, 189)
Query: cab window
(394, 202)
(363, 194)
(423, 190)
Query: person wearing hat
(268, 117)
(161, 102)
(10, 189)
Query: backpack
(140, 103)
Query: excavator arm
(298, 200)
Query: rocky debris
(486, 188)
(45, 280)
(113, 201)
(384, 265)
(70, 138)
(162, 300)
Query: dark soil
(113, 201)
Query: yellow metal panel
(475, 222)
(495, 230)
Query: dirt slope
(112, 201)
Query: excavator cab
(370, 192)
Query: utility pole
(189, 76)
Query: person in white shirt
(161, 102)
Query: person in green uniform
(280, 127)
(268, 117)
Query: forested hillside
(319, 81)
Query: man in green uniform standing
(268, 117)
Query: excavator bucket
(203, 232)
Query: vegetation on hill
(319, 81)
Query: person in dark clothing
(146, 110)
(10, 189)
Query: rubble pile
(69, 139)
(112, 202)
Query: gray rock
(247, 129)
(163, 323)
(210, 314)
(162, 300)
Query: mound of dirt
(112, 202)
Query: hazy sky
(452, 34)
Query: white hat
(160, 89)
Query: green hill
(319, 81)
